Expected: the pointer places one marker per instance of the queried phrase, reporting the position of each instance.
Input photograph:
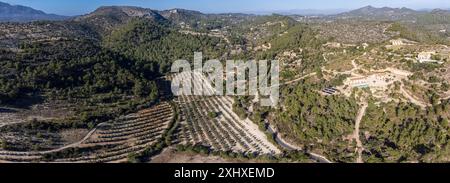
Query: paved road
(286, 145)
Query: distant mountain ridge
(106, 18)
(423, 17)
(130, 11)
(303, 12)
(384, 13)
(18, 13)
(125, 12)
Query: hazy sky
(77, 7)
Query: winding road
(291, 147)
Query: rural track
(412, 99)
(359, 146)
(67, 146)
(298, 79)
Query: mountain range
(18, 13)
(303, 12)
(384, 13)
(423, 17)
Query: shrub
(212, 115)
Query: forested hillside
(153, 44)
(405, 133)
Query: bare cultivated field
(73, 135)
(41, 112)
(108, 142)
(10, 116)
(169, 155)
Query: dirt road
(412, 99)
(31, 153)
(359, 146)
(300, 78)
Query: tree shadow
(25, 102)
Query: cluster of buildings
(422, 57)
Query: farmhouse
(426, 57)
(333, 45)
(377, 80)
(400, 42)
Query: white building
(333, 45)
(377, 80)
(401, 42)
(397, 42)
(425, 57)
(365, 45)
